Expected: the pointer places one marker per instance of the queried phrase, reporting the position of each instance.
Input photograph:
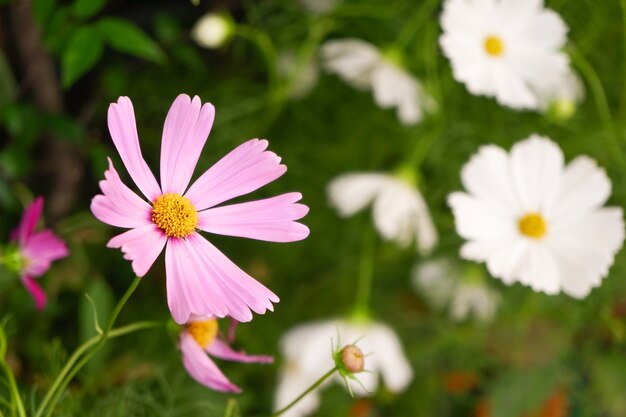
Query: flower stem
(410, 28)
(306, 392)
(15, 393)
(72, 367)
(602, 104)
(366, 273)
(266, 47)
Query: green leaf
(87, 8)
(518, 392)
(81, 53)
(125, 37)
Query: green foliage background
(143, 50)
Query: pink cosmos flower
(200, 279)
(35, 250)
(201, 337)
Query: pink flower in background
(199, 338)
(201, 280)
(35, 250)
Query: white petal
(537, 165)
(351, 59)
(390, 357)
(487, 175)
(400, 215)
(350, 193)
(435, 279)
(584, 186)
(477, 218)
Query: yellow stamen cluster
(175, 215)
(494, 46)
(203, 332)
(533, 225)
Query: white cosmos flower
(318, 6)
(507, 49)
(536, 221)
(363, 66)
(307, 354)
(399, 210)
(213, 30)
(446, 288)
(302, 76)
(561, 99)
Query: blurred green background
(63, 62)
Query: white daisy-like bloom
(534, 220)
(364, 67)
(318, 6)
(561, 100)
(307, 353)
(507, 49)
(302, 76)
(212, 30)
(445, 288)
(399, 210)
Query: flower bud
(213, 30)
(352, 359)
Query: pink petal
(121, 120)
(271, 219)
(41, 249)
(35, 291)
(204, 282)
(119, 206)
(186, 129)
(141, 246)
(190, 292)
(201, 368)
(220, 349)
(29, 221)
(245, 169)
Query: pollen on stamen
(533, 225)
(175, 215)
(203, 332)
(494, 46)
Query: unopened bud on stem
(352, 359)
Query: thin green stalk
(306, 392)
(366, 273)
(623, 4)
(112, 334)
(602, 104)
(70, 369)
(15, 393)
(265, 45)
(414, 23)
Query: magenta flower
(34, 251)
(201, 337)
(200, 279)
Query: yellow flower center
(203, 332)
(494, 46)
(533, 225)
(175, 215)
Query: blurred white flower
(507, 49)
(561, 99)
(536, 221)
(318, 6)
(213, 30)
(363, 66)
(446, 288)
(302, 76)
(399, 210)
(307, 354)
(473, 300)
